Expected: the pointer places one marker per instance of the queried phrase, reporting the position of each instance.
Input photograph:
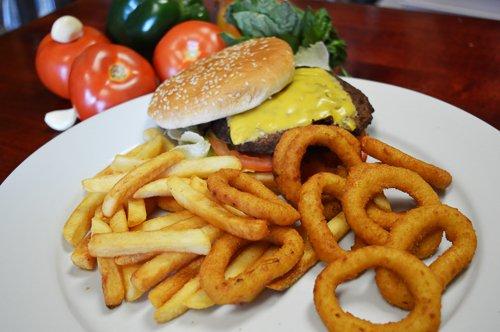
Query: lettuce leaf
(266, 18)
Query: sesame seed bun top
(229, 82)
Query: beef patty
(267, 144)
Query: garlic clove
(66, 29)
(61, 120)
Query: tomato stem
(118, 72)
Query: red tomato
(53, 60)
(105, 75)
(184, 44)
(260, 163)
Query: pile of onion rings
(392, 242)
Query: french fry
(199, 300)
(382, 202)
(214, 213)
(163, 221)
(118, 222)
(201, 186)
(112, 284)
(134, 259)
(155, 188)
(191, 223)
(267, 179)
(78, 223)
(111, 279)
(158, 268)
(131, 292)
(169, 204)
(202, 167)
(338, 226)
(149, 149)
(153, 132)
(123, 164)
(136, 178)
(245, 259)
(98, 214)
(175, 306)
(129, 243)
(99, 226)
(136, 212)
(162, 292)
(81, 256)
(240, 264)
(105, 171)
(102, 183)
(213, 233)
(141, 151)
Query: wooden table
(452, 58)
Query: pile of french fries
(120, 228)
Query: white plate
(41, 290)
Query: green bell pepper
(140, 24)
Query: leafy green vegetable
(317, 26)
(265, 18)
(337, 50)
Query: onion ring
(247, 285)
(307, 261)
(422, 283)
(251, 196)
(389, 155)
(338, 227)
(367, 180)
(289, 154)
(281, 149)
(423, 249)
(313, 220)
(310, 167)
(420, 221)
(323, 160)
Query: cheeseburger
(247, 95)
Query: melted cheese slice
(313, 95)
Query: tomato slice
(261, 163)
